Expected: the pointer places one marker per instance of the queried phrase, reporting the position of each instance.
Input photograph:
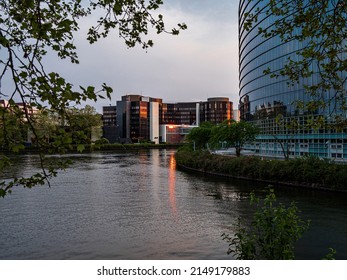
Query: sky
(200, 63)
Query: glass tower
(270, 102)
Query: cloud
(201, 62)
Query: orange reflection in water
(172, 184)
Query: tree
(237, 134)
(82, 121)
(78, 123)
(320, 27)
(46, 125)
(272, 233)
(29, 30)
(13, 131)
(201, 135)
(284, 131)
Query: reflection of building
(270, 102)
(137, 118)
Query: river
(139, 206)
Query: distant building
(25, 108)
(3, 103)
(109, 116)
(109, 120)
(174, 133)
(180, 113)
(216, 110)
(139, 118)
(236, 115)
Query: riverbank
(308, 172)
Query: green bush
(272, 234)
(102, 141)
(308, 171)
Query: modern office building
(186, 113)
(109, 116)
(263, 99)
(139, 118)
(216, 110)
(174, 133)
(109, 120)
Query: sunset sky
(201, 62)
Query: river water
(139, 206)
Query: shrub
(310, 171)
(102, 141)
(273, 232)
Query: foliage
(306, 171)
(13, 129)
(272, 234)
(289, 127)
(102, 141)
(331, 255)
(54, 133)
(320, 65)
(234, 133)
(133, 18)
(81, 121)
(31, 29)
(237, 134)
(201, 135)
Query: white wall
(154, 122)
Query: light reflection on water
(138, 206)
(172, 184)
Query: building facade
(109, 121)
(139, 118)
(185, 113)
(270, 103)
(174, 133)
(216, 110)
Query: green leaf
(80, 148)
(3, 41)
(16, 148)
(2, 193)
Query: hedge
(304, 171)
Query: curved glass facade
(263, 99)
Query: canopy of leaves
(201, 135)
(237, 134)
(29, 30)
(272, 235)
